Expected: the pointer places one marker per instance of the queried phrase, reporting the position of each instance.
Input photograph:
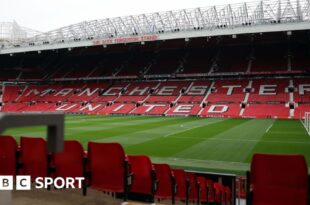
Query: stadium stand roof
(231, 19)
(12, 30)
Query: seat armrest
(249, 192)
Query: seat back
(202, 183)
(8, 150)
(142, 170)
(193, 194)
(181, 182)
(69, 162)
(279, 179)
(218, 192)
(33, 157)
(227, 195)
(164, 178)
(106, 163)
(210, 189)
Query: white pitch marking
(269, 128)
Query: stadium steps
(289, 60)
(246, 98)
(92, 71)
(206, 96)
(20, 95)
(120, 94)
(208, 92)
(149, 95)
(250, 61)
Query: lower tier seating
(256, 98)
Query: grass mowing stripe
(229, 150)
(151, 134)
(187, 127)
(249, 140)
(86, 136)
(204, 165)
(109, 125)
(285, 131)
(84, 121)
(169, 146)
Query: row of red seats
(107, 168)
(262, 91)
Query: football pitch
(202, 144)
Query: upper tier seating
(302, 90)
(221, 110)
(195, 93)
(300, 110)
(269, 91)
(151, 109)
(258, 98)
(228, 91)
(266, 111)
(11, 93)
(270, 58)
(233, 59)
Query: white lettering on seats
(66, 107)
(302, 88)
(64, 92)
(183, 108)
(88, 92)
(151, 107)
(197, 90)
(267, 90)
(231, 88)
(218, 109)
(113, 91)
(141, 91)
(166, 90)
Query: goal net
(306, 121)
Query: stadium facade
(240, 60)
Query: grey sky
(45, 15)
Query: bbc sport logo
(23, 182)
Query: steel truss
(209, 18)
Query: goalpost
(306, 121)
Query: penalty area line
(269, 128)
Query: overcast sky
(45, 15)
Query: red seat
(193, 194)
(202, 184)
(8, 150)
(227, 195)
(143, 175)
(210, 189)
(182, 184)
(69, 163)
(108, 167)
(164, 178)
(278, 180)
(33, 157)
(218, 191)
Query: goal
(306, 121)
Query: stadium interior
(261, 75)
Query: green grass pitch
(204, 144)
